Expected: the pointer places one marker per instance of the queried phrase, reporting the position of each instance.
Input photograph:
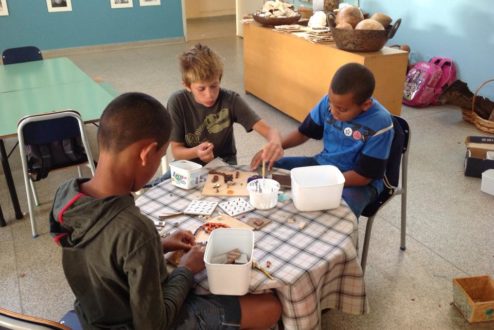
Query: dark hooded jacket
(113, 261)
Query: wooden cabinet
(293, 74)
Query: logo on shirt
(347, 131)
(213, 124)
(357, 135)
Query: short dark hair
(356, 79)
(132, 117)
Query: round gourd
(344, 26)
(349, 14)
(384, 19)
(369, 24)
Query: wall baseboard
(109, 47)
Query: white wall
(460, 29)
(208, 8)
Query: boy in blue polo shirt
(356, 130)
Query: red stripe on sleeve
(69, 204)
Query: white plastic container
(263, 193)
(487, 184)
(186, 174)
(316, 188)
(229, 279)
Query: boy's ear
(367, 104)
(147, 151)
(187, 86)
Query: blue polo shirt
(362, 144)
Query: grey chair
(59, 140)
(17, 321)
(398, 159)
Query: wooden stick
(263, 169)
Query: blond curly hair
(200, 63)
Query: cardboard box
(476, 160)
(474, 297)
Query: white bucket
(263, 193)
(229, 279)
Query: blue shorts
(209, 312)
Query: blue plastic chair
(21, 54)
(398, 158)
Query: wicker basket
(470, 116)
(272, 21)
(362, 40)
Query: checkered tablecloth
(312, 255)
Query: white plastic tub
(229, 279)
(186, 174)
(316, 188)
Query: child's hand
(194, 259)
(179, 240)
(205, 151)
(256, 160)
(270, 153)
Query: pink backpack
(447, 77)
(427, 80)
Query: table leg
(2, 219)
(10, 181)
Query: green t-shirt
(193, 123)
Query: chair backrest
(21, 54)
(16, 321)
(397, 156)
(398, 148)
(53, 140)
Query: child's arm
(203, 151)
(352, 178)
(272, 151)
(294, 139)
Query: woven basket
(272, 21)
(470, 116)
(362, 40)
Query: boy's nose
(209, 93)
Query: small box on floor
(476, 159)
(487, 184)
(474, 297)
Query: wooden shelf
(293, 74)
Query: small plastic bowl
(263, 193)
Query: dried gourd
(369, 24)
(349, 14)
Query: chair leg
(27, 186)
(33, 190)
(365, 248)
(403, 220)
(30, 205)
(79, 171)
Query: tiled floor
(449, 230)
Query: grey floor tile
(9, 279)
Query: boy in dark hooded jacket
(112, 254)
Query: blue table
(39, 87)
